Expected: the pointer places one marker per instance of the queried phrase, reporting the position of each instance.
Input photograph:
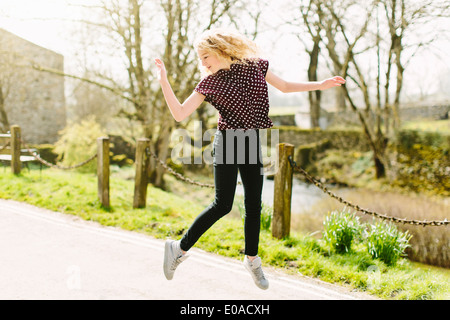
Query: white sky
(38, 21)
(45, 23)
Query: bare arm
(180, 111)
(286, 86)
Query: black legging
(243, 146)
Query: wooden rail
(11, 151)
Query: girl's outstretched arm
(179, 111)
(286, 86)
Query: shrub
(340, 229)
(78, 143)
(408, 138)
(422, 162)
(386, 242)
(423, 168)
(123, 151)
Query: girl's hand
(162, 74)
(332, 82)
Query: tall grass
(386, 242)
(340, 229)
(430, 245)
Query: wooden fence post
(281, 221)
(141, 178)
(103, 171)
(16, 142)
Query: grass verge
(169, 215)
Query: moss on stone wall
(420, 161)
(338, 139)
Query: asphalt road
(48, 255)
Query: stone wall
(338, 139)
(34, 100)
(436, 112)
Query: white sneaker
(254, 267)
(173, 256)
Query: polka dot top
(240, 94)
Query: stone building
(32, 99)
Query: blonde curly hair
(228, 45)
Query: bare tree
(310, 10)
(307, 17)
(181, 62)
(353, 41)
(88, 100)
(337, 23)
(404, 19)
(138, 30)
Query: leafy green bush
(78, 143)
(422, 161)
(423, 168)
(340, 229)
(386, 242)
(408, 138)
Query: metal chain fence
(48, 164)
(294, 166)
(320, 186)
(358, 208)
(179, 176)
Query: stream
(304, 195)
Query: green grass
(169, 215)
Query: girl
(235, 83)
